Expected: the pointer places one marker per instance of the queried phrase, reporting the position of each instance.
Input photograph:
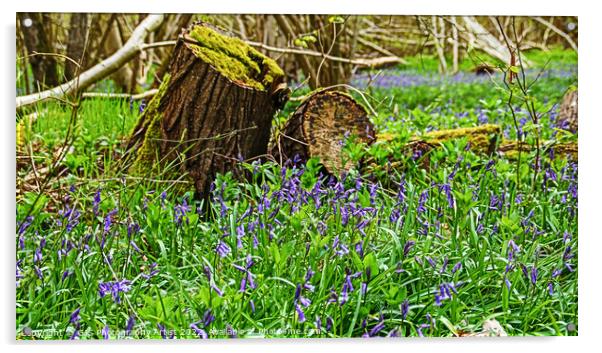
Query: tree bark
(78, 27)
(319, 128)
(209, 113)
(37, 40)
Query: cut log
(319, 128)
(568, 115)
(214, 107)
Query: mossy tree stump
(319, 128)
(214, 107)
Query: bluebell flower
(446, 188)
(407, 247)
(456, 267)
(534, 275)
(129, 325)
(115, 288)
(247, 278)
(200, 332)
(74, 318)
(24, 225)
(153, 271)
(405, 307)
(422, 201)
(222, 249)
(300, 313)
(96, 202)
(180, 212)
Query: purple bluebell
(25, 224)
(109, 220)
(247, 278)
(534, 275)
(152, 271)
(105, 332)
(405, 307)
(518, 199)
(96, 202)
(129, 325)
(422, 201)
(208, 317)
(181, 212)
(444, 265)
(318, 324)
(115, 288)
(300, 313)
(74, 318)
(407, 247)
(222, 249)
(200, 332)
(162, 331)
(446, 188)
(329, 323)
(37, 256)
(457, 267)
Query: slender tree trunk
(37, 40)
(78, 29)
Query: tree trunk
(78, 27)
(319, 128)
(36, 38)
(214, 107)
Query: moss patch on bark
(146, 155)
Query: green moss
(480, 137)
(234, 58)
(146, 154)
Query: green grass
(288, 220)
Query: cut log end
(568, 115)
(319, 128)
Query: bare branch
(557, 31)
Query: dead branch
(557, 31)
(359, 62)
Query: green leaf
(370, 263)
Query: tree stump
(568, 115)
(214, 107)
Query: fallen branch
(131, 48)
(133, 97)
